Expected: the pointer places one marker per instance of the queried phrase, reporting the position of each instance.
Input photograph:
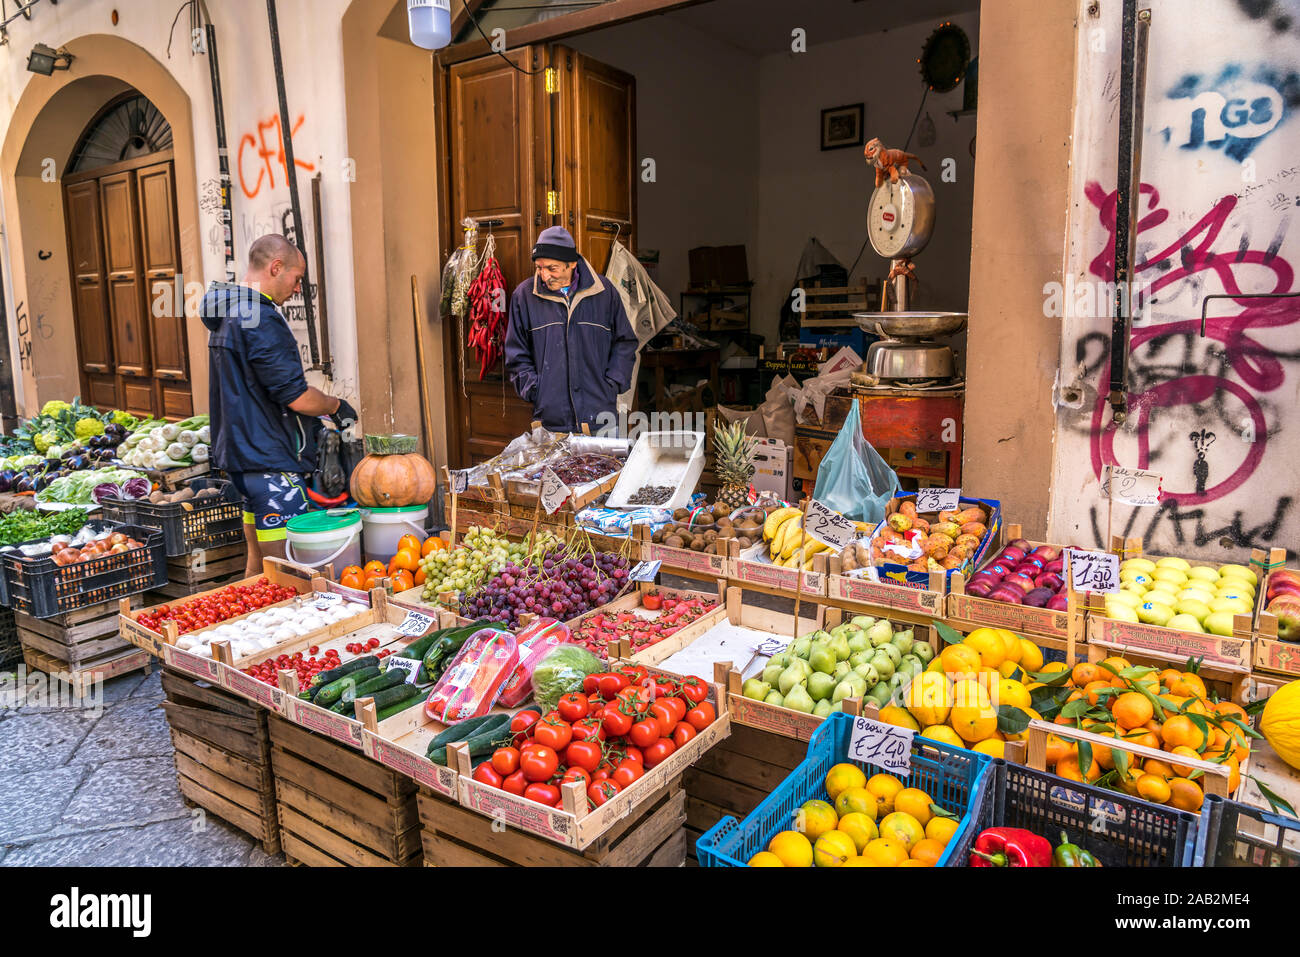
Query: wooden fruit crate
(223, 755)
(678, 561)
(657, 652)
(653, 835)
(339, 808)
(883, 598)
(1272, 655)
(771, 579)
(191, 574)
(79, 647)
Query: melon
(1280, 723)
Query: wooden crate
(79, 647)
(653, 836)
(192, 574)
(223, 756)
(763, 576)
(885, 598)
(338, 808)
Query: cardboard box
(774, 468)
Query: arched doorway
(124, 252)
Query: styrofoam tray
(723, 642)
(673, 459)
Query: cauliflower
(43, 440)
(87, 427)
(54, 407)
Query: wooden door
(598, 123)
(160, 259)
(90, 299)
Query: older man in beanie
(569, 346)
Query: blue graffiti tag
(1228, 112)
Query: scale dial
(900, 217)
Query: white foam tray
(675, 459)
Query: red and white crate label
(440, 779)
(1130, 486)
(518, 812)
(192, 664)
(884, 745)
(890, 596)
(268, 696)
(325, 722)
(1279, 656)
(1092, 571)
(553, 492)
(775, 576)
(782, 721)
(685, 558)
(1230, 653)
(937, 499)
(415, 623)
(1006, 615)
(829, 527)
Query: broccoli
(87, 427)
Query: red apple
(1046, 552)
(999, 569)
(1283, 580)
(1055, 565)
(980, 589)
(1011, 554)
(1007, 593)
(1049, 580)
(1031, 565)
(1287, 610)
(1038, 597)
(1021, 544)
(1058, 602)
(1282, 588)
(1023, 582)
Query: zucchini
(334, 674)
(480, 745)
(445, 648)
(469, 728)
(417, 648)
(401, 706)
(386, 697)
(385, 679)
(332, 692)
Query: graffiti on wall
(261, 152)
(1231, 112)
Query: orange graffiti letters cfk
(266, 152)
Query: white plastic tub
(675, 459)
(381, 528)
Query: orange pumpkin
(389, 481)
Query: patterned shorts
(270, 500)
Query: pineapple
(734, 468)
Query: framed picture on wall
(842, 127)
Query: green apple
(1197, 594)
(1193, 608)
(1135, 575)
(1184, 623)
(1125, 597)
(1181, 564)
(1203, 572)
(1120, 611)
(1219, 623)
(1233, 606)
(1154, 613)
(1239, 571)
(1172, 575)
(1138, 564)
(1161, 596)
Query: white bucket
(332, 536)
(382, 528)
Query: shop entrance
(123, 250)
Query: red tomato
(645, 732)
(626, 772)
(523, 722)
(602, 791)
(658, 751)
(600, 774)
(485, 774)
(506, 761)
(539, 763)
(515, 783)
(573, 706)
(635, 753)
(683, 733)
(694, 689)
(589, 729)
(583, 754)
(546, 794)
(554, 732)
(677, 705)
(636, 700)
(665, 714)
(701, 716)
(591, 684)
(610, 685)
(614, 721)
(634, 673)
(577, 774)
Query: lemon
(902, 828)
(860, 827)
(1011, 644)
(834, 848)
(1013, 693)
(885, 788)
(815, 818)
(990, 746)
(989, 644)
(943, 734)
(1031, 656)
(792, 849)
(856, 801)
(765, 859)
(942, 829)
(883, 852)
(928, 698)
(844, 776)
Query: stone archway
(43, 131)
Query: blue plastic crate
(956, 778)
(1271, 841)
(1119, 830)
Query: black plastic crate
(210, 523)
(1237, 835)
(11, 650)
(42, 589)
(1119, 830)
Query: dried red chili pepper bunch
(487, 314)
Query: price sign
(1130, 486)
(459, 480)
(323, 599)
(937, 499)
(644, 571)
(772, 646)
(415, 623)
(554, 492)
(1092, 571)
(829, 527)
(884, 745)
(409, 665)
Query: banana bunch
(784, 534)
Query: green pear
(820, 686)
(820, 635)
(841, 669)
(822, 709)
(792, 676)
(840, 645)
(822, 658)
(863, 621)
(848, 630)
(800, 647)
(859, 641)
(880, 694)
(776, 698)
(883, 664)
(756, 688)
(854, 686)
(923, 651)
(868, 673)
(903, 640)
(892, 651)
(837, 705)
(781, 658)
(909, 666)
(881, 633)
(858, 657)
(772, 673)
(799, 699)
(898, 681)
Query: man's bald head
(275, 267)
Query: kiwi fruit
(658, 536)
(674, 541)
(744, 542)
(720, 510)
(698, 545)
(725, 532)
(749, 528)
(682, 514)
(723, 522)
(710, 536)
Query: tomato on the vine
(702, 715)
(636, 700)
(627, 772)
(677, 705)
(573, 706)
(486, 774)
(645, 732)
(581, 775)
(506, 761)
(591, 684)
(615, 721)
(659, 751)
(523, 722)
(515, 783)
(634, 673)
(600, 774)
(664, 713)
(583, 754)
(602, 791)
(539, 763)
(546, 794)
(683, 733)
(610, 684)
(589, 729)
(554, 732)
(694, 689)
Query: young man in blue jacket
(263, 411)
(569, 346)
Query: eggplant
(77, 462)
(7, 478)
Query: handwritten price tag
(459, 481)
(644, 571)
(554, 492)
(1092, 571)
(884, 745)
(415, 623)
(937, 499)
(829, 527)
(325, 598)
(1130, 486)
(409, 665)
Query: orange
(403, 581)
(1148, 739)
(1131, 709)
(409, 541)
(941, 829)
(1185, 795)
(1188, 684)
(1229, 708)
(352, 580)
(973, 723)
(376, 568)
(960, 659)
(1091, 689)
(1069, 768)
(1153, 787)
(405, 558)
(434, 544)
(1169, 676)
(1116, 662)
(843, 777)
(1180, 730)
(883, 852)
(420, 576)
(1058, 749)
(1200, 706)
(1183, 751)
(1160, 768)
(915, 802)
(1086, 671)
(927, 850)
(374, 581)
(351, 570)
(1234, 778)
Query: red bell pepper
(1010, 847)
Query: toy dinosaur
(888, 162)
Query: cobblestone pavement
(93, 784)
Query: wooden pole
(451, 488)
(798, 582)
(425, 411)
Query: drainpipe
(223, 155)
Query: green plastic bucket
(331, 536)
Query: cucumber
(480, 745)
(325, 677)
(385, 679)
(401, 706)
(332, 692)
(467, 730)
(386, 697)
(445, 648)
(417, 648)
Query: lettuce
(562, 671)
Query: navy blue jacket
(254, 372)
(570, 360)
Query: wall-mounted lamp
(44, 60)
